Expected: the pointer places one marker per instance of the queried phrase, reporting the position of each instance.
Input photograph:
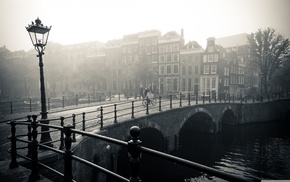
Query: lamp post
(39, 36)
(261, 92)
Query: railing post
(132, 110)
(203, 95)
(196, 98)
(160, 103)
(188, 98)
(29, 135)
(147, 106)
(34, 176)
(214, 96)
(77, 100)
(74, 127)
(61, 146)
(11, 108)
(170, 99)
(180, 100)
(101, 116)
(13, 163)
(68, 176)
(220, 97)
(134, 153)
(115, 113)
(84, 121)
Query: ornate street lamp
(39, 36)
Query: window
(189, 69)
(183, 71)
(213, 83)
(196, 80)
(162, 49)
(210, 58)
(213, 69)
(228, 71)
(206, 69)
(161, 70)
(183, 84)
(189, 84)
(175, 57)
(161, 58)
(154, 49)
(168, 69)
(168, 57)
(148, 50)
(207, 85)
(154, 59)
(175, 69)
(175, 47)
(204, 58)
(225, 70)
(196, 69)
(169, 48)
(216, 57)
(225, 81)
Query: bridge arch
(199, 120)
(228, 116)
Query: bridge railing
(133, 146)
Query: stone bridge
(162, 129)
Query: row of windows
(169, 84)
(237, 70)
(169, 69)
(169, 48)
(209, 69)
(168, 58)
(208, 84)
(210, 58)
(190, 57)
(189, 70)
(226, 71)
(237, 80)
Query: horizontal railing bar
(49, 142)
(50, 126)
(22, 123)
(49, 131)
(101, 137)
(21, 140)
(99, 168)
(193, 165)
(50, 148)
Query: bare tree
(268, 50)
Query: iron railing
(133, 146)
(32, 105)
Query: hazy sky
(75, 21)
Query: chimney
(182, 33)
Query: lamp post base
(45, 135)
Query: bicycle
(151, 98)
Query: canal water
(252, 151)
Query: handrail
(134, 148)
